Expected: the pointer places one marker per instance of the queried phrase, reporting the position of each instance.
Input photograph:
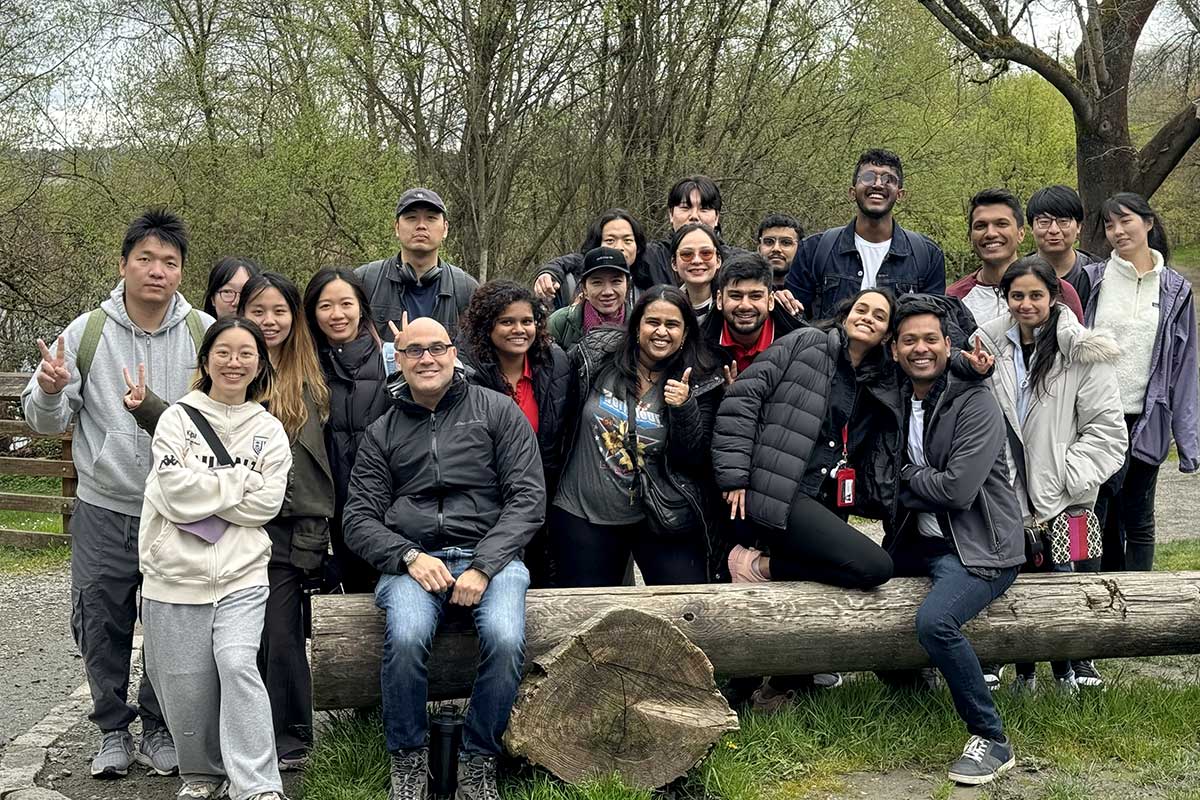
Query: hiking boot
(477, 779)
(992, 675)
(157, 751)
(203, 790)
(410, 774)
(1087, 675)
(1026, 684)
(766, 699)
(982, 761)
(115, 756)
(827, 680)
(743, 565)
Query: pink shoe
(743, 565)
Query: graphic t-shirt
(598, 481)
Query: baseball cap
(604, 258)
(420, 196)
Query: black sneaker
(1086, 674)
(992, 675)
(982, 761)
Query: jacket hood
(114, 306)
(237, 416)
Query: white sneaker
(203, 790)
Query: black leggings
(586, 554)
(820, 546)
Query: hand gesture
(469, 588)
(137, 391)
(790, 304)
(398, 335)
(981, 360)
(545, 287)
(54, 374)
(431, 573)
(676, 392)
(737, 503)
(731, 373)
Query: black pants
(1125, 508)
(818, 545)
(281, 658)
(586, 554)
(354, 575)
(104, 585)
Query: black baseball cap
(419, 196)
(604, 258)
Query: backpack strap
(210, 436)
(92, 332)
(195, 328)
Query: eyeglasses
(706, 254)
(437, 350)
(229, 295)
(782, 241)
(1043, 223)
(868, 177)
(225, 357)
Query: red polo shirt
(525, 398)
(744, 356)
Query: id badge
(845, 486)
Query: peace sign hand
(980, 360)
(137, 391)
(676, 392)
(398, 334)
(731, 373)
(54, 374)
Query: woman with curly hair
(504, 347)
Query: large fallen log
(793, 628)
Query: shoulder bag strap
(210, 436)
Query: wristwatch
(410, 555)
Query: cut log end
(626, 693)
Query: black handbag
(673, 504)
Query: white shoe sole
(979, 780)
(144, 760)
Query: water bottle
(445, 736)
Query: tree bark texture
(791, 628)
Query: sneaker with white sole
(982, 761)
(1087, 675)
(827, 680)
(203, 790)
(993, 674)
(1068, 685)
(267, 796)
(157, 751)
(115, 756)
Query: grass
(25, 521)
(18, 561)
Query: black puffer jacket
(551, 388)
(466, 474)
(770, 420)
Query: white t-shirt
(927, 523)
(872, 255)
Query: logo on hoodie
(258, 444)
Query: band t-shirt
(598, 481)
(872, 255)
(927, 523)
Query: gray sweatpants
(204, 659)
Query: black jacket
(464, 475)
(769, 424)
(358, 396)
(827, 268)
(386, 281)
(552, 385)
(651, 269)
(967, 482)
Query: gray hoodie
(111, 454)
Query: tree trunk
(627, 693)
(1106, 163)
(791, 628)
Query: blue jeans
(956, 598)
(413, 615)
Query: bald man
(445, 493)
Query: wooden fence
(12, 426)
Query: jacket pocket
(113, 465)
(177, 555)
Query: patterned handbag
(1075, 536)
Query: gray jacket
(967, 483)
(111, 453)
(1074, 434)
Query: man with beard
(872, 251)
(778, 238)
(750, 319)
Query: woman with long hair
(225, 282)
(618, 463)
(1137, 299)
(1056, 382)
(351, 356)
(298, 398)
(696, 256)
(221, 469)
(504, 347)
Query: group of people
(703, 412)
